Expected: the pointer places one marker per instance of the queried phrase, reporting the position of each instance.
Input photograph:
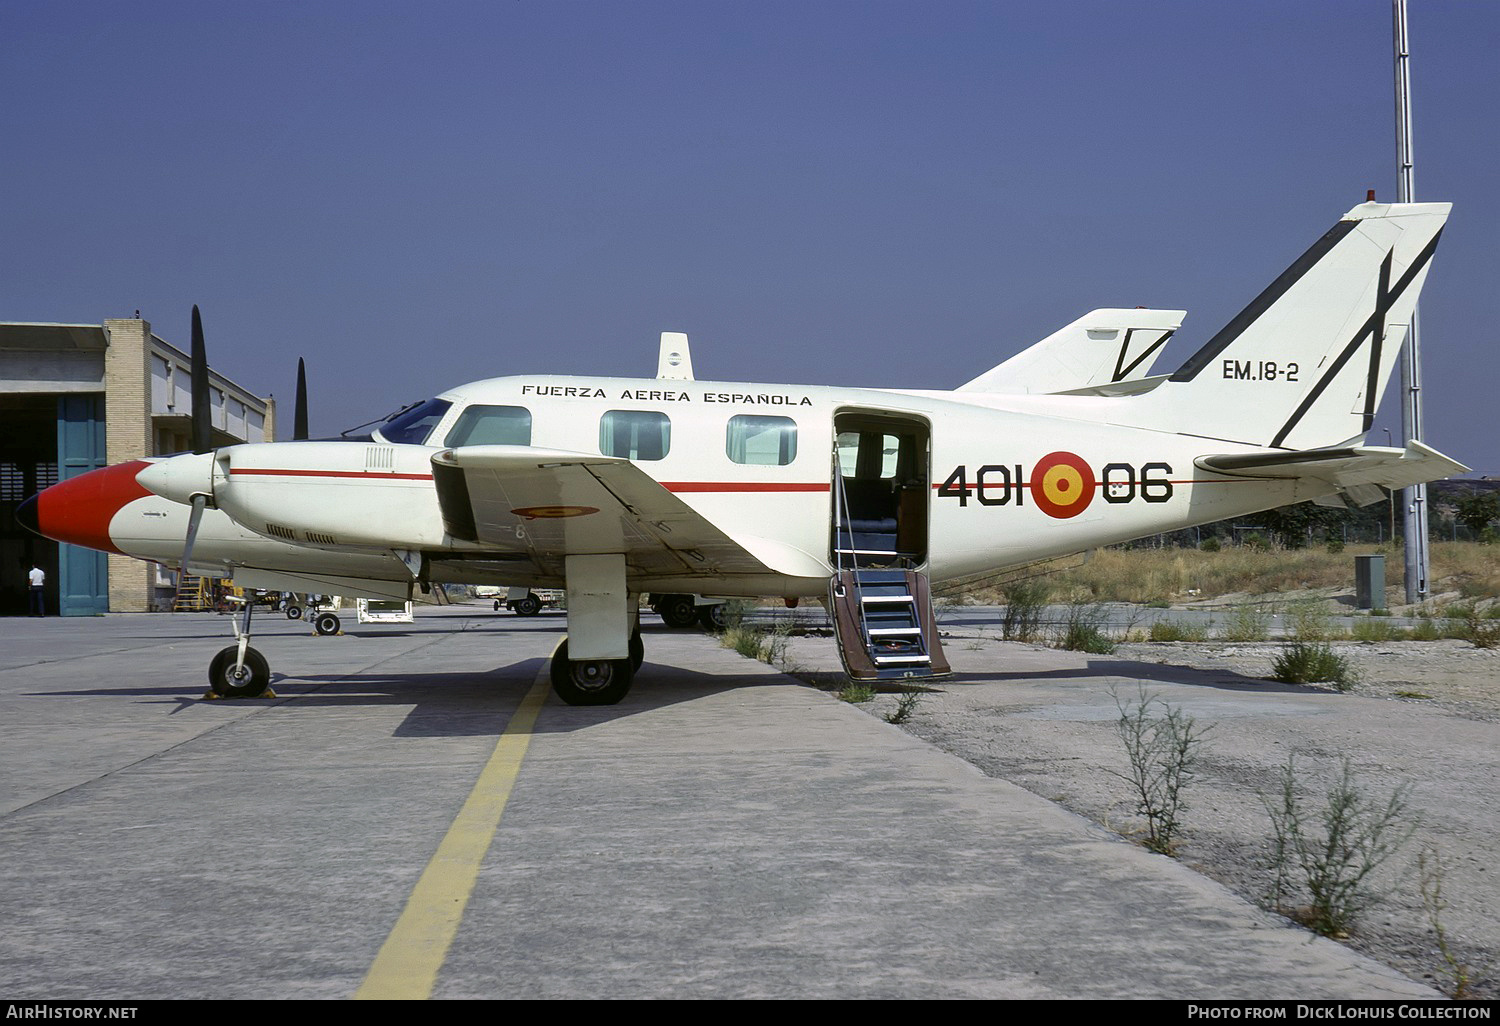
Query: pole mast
(1413, 499)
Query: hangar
(74, 397)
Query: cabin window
(412, 425)
(635, 434)
(762, 441)
(492, 425)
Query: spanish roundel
(1062, 485)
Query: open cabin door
(881, 605)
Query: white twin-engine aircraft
(613, 488)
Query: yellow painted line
(407, 966)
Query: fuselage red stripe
(672, 486)
(368, 475)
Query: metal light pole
(1414, 499)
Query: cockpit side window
(411, 427)
(491, 425)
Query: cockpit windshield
(412, 425)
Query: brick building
(74, 397)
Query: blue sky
(871, 193)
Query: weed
(1163, 630)
(906, 705)
(1333, 867)
(1482, 631)
(1083, 629)
(1162, 749)
(1412, 694)
(1375, 630)
(1426, 629)
(768, 644)
(1308, 662)
(1247, 623)
(1430, 879)
(856, 693)
(1158, 604)
(1309, 621)
(1024, 604)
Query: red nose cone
(79, 509)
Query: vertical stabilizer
(1304, 365)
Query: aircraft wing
(550, 504)
(1355, 470)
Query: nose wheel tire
(326, 623)
(294, 612)
(247, 681)
(590, 681)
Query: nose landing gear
(240, 671)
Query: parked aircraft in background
(611, 488)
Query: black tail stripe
(1248, 316)
(1377, 337)
(1374, 324)
(1119, 373)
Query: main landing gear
(239, 671)
(324, 621)
(595, 681)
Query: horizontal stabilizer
(1100, 348)
(1352, 469)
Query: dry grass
(1177, 575)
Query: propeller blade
(299, 417)
(202, 411)
(194, 518)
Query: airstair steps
(884, 625)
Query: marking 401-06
(1062, 484)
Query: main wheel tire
(678, 610)
(326, 623)
(251, 680)
(528, 606)
(590, 681)
(294, 612)
(637, 652)
(714, 617)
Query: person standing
(38, 581)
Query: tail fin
(1305, 364)
(1101, 347)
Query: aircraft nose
(78, 510)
